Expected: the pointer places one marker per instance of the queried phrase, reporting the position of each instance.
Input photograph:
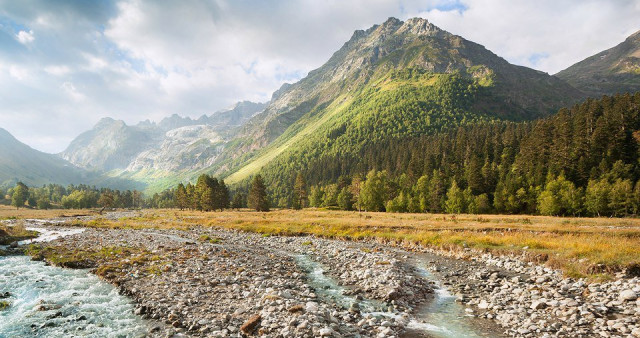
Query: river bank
(212, 282)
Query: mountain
(109, 145)
(19, 162)
(395, 80)
(615, 70)
(153, 152)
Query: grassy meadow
(591, 247)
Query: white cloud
(18, 73)
(548, 35)
(58, 70)
(25, 37)
(71, 90)
(144, 59)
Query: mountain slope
(399, 79)
(19, 162)
(615, 70)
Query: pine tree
(182, 199)
(257, 198)
(239, 200)
(222, 196)
(192, 201)
(300, 200)
(437, 192)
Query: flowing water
(328, 289)
(449, 316)
(46, 301)
(441, 317)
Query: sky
(64, 65)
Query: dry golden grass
(580, 246)
(8, 212)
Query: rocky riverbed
(209, 282)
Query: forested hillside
(582, 161)
(395, 80)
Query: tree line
(71, 197)
(210, 193)
(580, 161)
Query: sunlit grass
(579, 246)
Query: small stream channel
(441, 317)
(47, 301)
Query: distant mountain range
(392, 81)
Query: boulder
(628, 295)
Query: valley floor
(219, 274)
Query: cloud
(57, 70)
(25, 37)
(71, 90)
(548, 35)
(65, 65)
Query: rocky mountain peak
(419, 26)
(635, 37)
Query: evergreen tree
(222, 196)
(182, 199)
(422, 193)
(300, 200)
(316, 197)
(239, 200)
(192, 201)
(437, 192)
(257, 198)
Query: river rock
(628, 295)
(326, 332)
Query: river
(47, 301)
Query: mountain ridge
(383, 51)
(614, 70)
(19, 162)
